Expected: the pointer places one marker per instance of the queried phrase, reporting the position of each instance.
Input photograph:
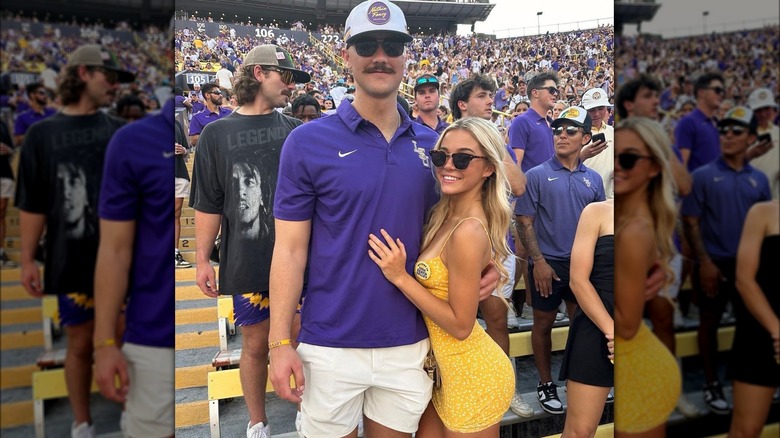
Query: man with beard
(212, 97)
(235, 174)
(79, 133)
(38, 99)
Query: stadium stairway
(21, 343)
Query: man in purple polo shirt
(213, 98)
(547, 215)
(426, 95)
(38, 98)
(696, 135)
(713, 216)
(342, 177)
(135, 234)
(529, 134)
(531, 139)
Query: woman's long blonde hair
(661, 189)
(495, 191)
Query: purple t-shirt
(721, 198)
(27, 118)
(137, 187)
(341, 173)
(555, 198)
(531, 133)
(698, 133)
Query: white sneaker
(685, 407)
(528, 312)
(521, 407)
(511, 318)
(83, 430)
(259, 430)
(298, 424)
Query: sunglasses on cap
(552, 90)
(112, 77)
(735, 129)
(424, 80)
(287, 76)
(627, 160)
(570, 130)
(392, 48)
(460, 160)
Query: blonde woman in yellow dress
(647, 378)
(466, 230)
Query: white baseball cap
(376, 16)
(578, 116)
(761, 98)
(595, 97)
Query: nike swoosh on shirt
(168, 154)
(344, 154)
(552, 179)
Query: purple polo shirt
(137, 187)
(440, 126)
(341, 173)
(27, 118)
(699, 134)
(205, 117)
(531, 133)
(555, 197)
(721, 198)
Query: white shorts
(673, 289)
(182, 188)
(6, 188)
(510, 264)
(388, 385)
(150, 402)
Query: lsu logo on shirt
(421, 153)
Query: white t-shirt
(224, 77)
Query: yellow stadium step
(16, 413)
(23, 315)
(17, 377)
(192, 413)
(25, 339)
(193, 376)
(199, 339)
(198, 315)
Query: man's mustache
(380, 68)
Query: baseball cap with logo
(761, 98)
(376, 16)
(269, 55)
(740, 115)
(578, 116)
(93, 55)
(426, 79)
(595, 97)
